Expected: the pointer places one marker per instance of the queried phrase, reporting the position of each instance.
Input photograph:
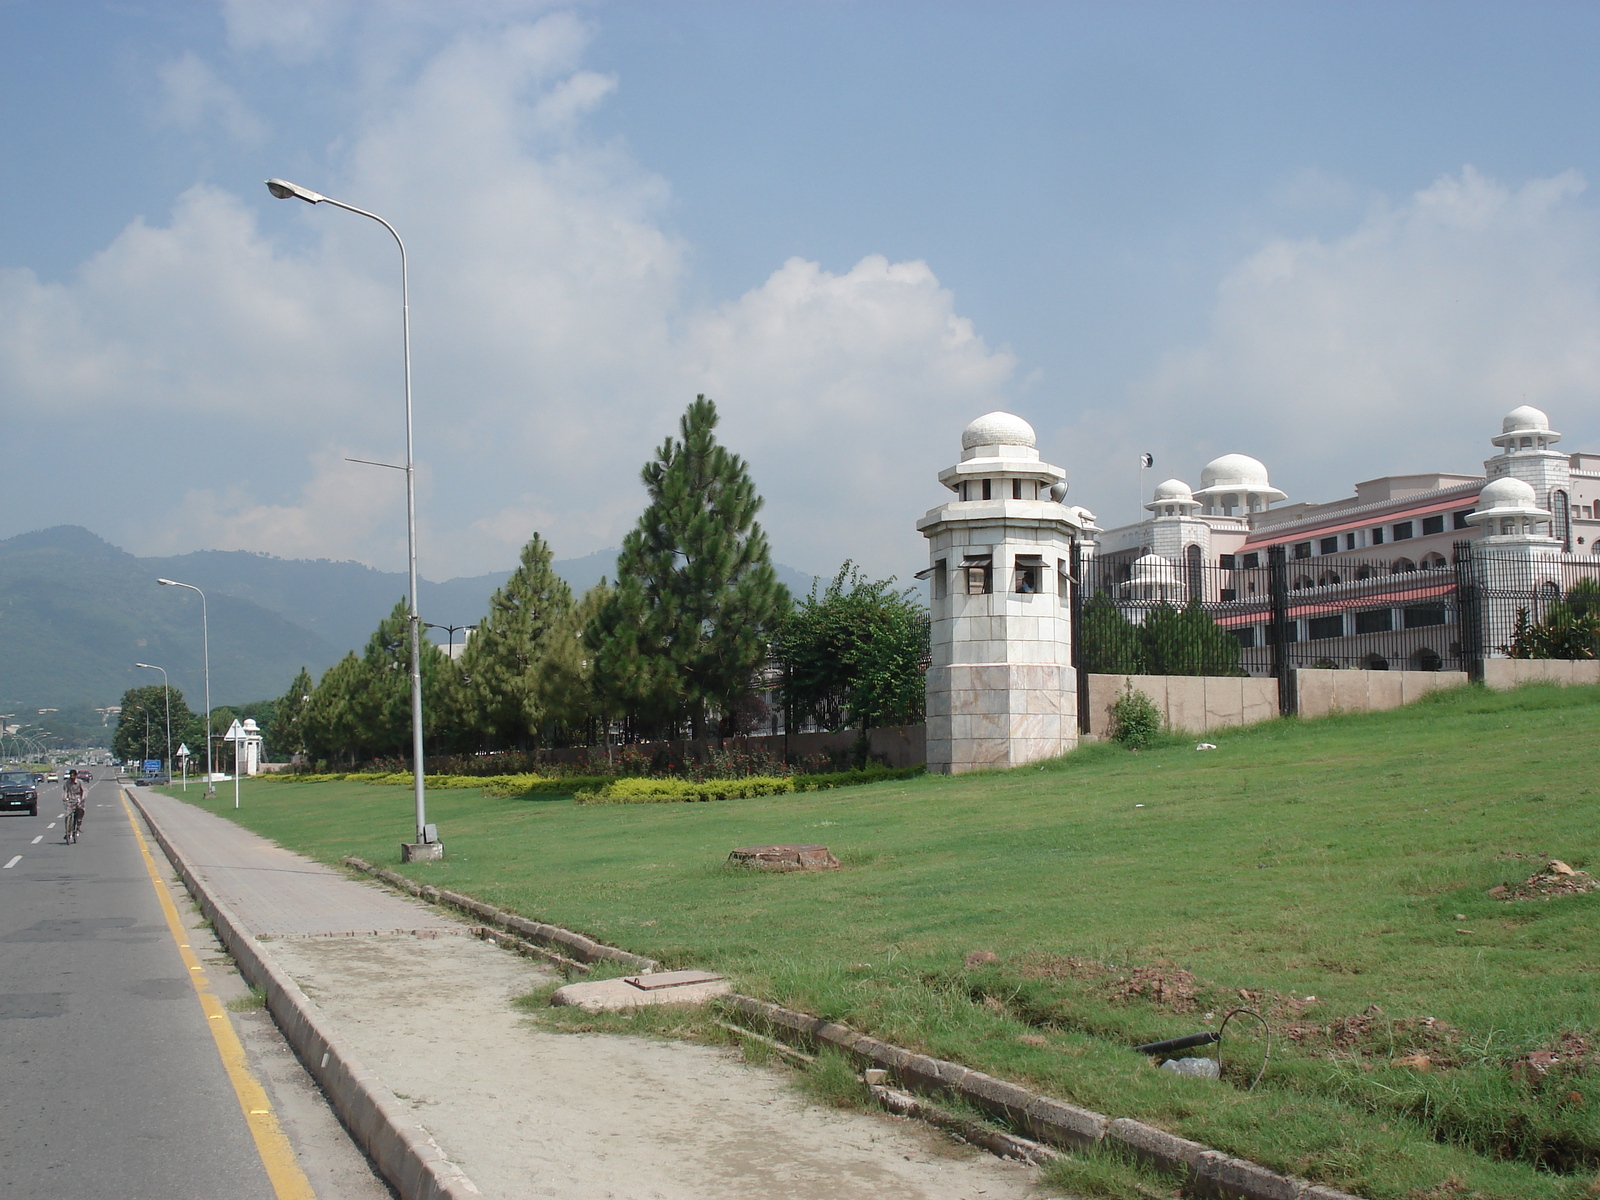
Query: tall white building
(1001, 689)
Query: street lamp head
(147, 666)
(284, 190)
(169, 582)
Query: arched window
(1561, 510)
(1375, 662)
(1302, 583)
(1401, 566)
(1327, 579)
(1195, 574)
(1434, 562)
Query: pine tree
(332, 730)
(286, 735)
(506, 658)
(696, 595)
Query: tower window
(1016, 489)
(1377, 536)
(941, 580)
(1349, 541)
(987, 491)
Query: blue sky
(1341, 237)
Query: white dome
(1235, 471)
(1173, 489)
(998, 429)
(1507, 492)
(1526, 419)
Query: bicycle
(74, 822)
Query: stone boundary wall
(1318, 692)
(1504, 673)
(1188, 703)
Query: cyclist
(72, 794)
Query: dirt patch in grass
(1556, 879)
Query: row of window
(1337, 625)
(984, 489)
(977, 575)
(1400, 531)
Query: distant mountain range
(77, 612)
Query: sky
(1344, 238)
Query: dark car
(18, 790)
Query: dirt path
(530, 1113)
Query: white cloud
(1396, 347)
(553, 348)
(191, 94)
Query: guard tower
(1001, 686)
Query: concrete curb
(403, 1151)
(1206, 1172)
(583, 949)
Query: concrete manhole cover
(783, 858)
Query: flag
(1147, 460)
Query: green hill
(77, 612)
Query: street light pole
(205, 650)
(284, 190)
(167, 692)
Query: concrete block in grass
(1062, 1124)
(1156, 1146)
(1222, 1177)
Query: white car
(52, 777)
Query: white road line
(37, 840)
(52, 825)
(12, 863)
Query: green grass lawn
(1124, 897)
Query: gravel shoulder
(528, 1112)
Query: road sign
(183, 751)
(152, 766)
(235, 732)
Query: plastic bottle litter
(1202, 1068)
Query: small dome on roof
(1507, 492)
(1235, 471)
(1526, 419)
(1173, 489)
(998, 429)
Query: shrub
(1135, 720)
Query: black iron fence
(1267, 613)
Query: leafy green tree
(1186, 641)
(856, 655)
(696, 596)
(506, 659)
(1111, 643)
(131, 741)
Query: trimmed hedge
(670, 791)
(603, 789)
(492, 785)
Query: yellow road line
(289, 1182)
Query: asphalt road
(110, 1082)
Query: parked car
(18, 790)
(52, 777)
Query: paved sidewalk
(530, 1114)
(277, 893)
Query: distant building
(1533, 505)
